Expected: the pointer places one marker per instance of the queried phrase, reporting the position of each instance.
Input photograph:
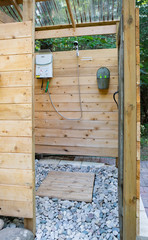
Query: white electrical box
(44, 66)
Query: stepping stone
(16, 234)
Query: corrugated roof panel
(55, 12)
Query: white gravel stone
(71, 220)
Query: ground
(72, 220)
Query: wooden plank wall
(138, 115)
(96, 134)
(16, 135)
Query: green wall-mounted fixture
(103, 77)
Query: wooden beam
(4, 18)
(130, 130)
(17, 7)
(71, 14)
(29, 15)
(28, 8)
(89, 24)
(70, 32)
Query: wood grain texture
(130, 129)
(99, 122)
(15, 79)
(16, 208)
(68, 185)
(16, 120)
(15, 111)
(15, 128)
(89, 151)
(16, 62)
(76, 32)
(15, 46)
(16, 161)
(15, 30)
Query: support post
(130, 130)
(29, 15)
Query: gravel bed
(71, 220)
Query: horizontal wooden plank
(85, 98)
(72, 72)
(16, 160)
(95, 116)
(16, 145)
(16, 46)
(15, 30)
(15, 111)
(16, 95)
(16, 79)
(89, 61)
(16, 208)
(76, 142)
(66, 124)
(95, 53)
(89, 89)
(101, 152)
(16, 62)
(73, 186)
(73, 81)
(16, 193)
(15, 128)
(16, 177)
(106, 134)
(71, 32)
(75, 107)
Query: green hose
(47, 86)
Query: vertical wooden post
(130, 130)
(29, 15)
(138, 117)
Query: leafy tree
(143, 9)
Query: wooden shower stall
(28, 123)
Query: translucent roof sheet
(55, 12)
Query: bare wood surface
(130, 130)
(16, 208)
(86, 24)
(29, 15)
(138, 117)
(70, 13)
(89, 151)
(99, 122)
(69, 32)
(68, 185)
(16, 161)
(16, 154)
(15, 30)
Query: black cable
(114, 97)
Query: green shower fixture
(103, 77)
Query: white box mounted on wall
(44, 66)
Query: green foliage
(85, 42)
(143, 11)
